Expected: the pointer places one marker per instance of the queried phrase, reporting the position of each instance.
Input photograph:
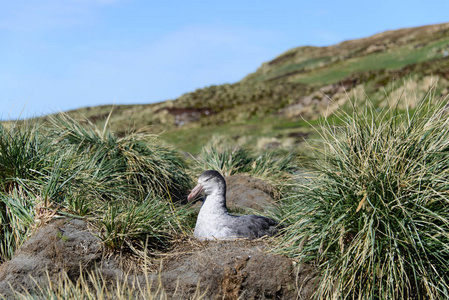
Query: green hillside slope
(268, 107)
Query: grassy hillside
(267, 108)
(371, 214)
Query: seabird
(214, 221)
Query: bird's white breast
(212, 217)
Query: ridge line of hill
(302, 83)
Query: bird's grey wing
(250, 226)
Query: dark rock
(236, 270)
(61, 246)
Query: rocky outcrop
(64, 245)
(218, 269)
(237, 270)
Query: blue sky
(57, 55)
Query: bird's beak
(195, 192)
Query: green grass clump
(137, 225)
(127, 187)
(24, 154)
(275, 167)
(24, 157)
(375, 216)
(16, 219)
(226, 160)
(137, 163)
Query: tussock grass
(128, 187)
(138, 163)
(275, 167)
(226, 160)
(24, 157)
(137, 226)
(24, 154)
(375, 215)
(16, 220)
